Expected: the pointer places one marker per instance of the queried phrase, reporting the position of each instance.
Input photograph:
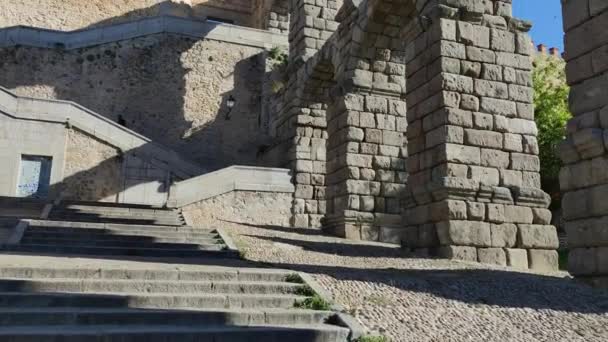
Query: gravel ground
(432, 300)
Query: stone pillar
(311, 24)
(473, 155)
(366, 123)
(584, 177)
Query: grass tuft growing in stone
(313, 303)
(294, 278)
(306, 291)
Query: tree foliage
(551, 115)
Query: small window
(220, 20)
(34, 176)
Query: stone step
(146, 286)
(107, 333)
(100, 213)
(119, 210)
(123, 251)
(91, 242)
(177, 238)
(124, 316)
(115, 219)
(120, 231)
(204, 274)
(120, 227)
(147, 301)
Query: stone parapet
(583, 178)
(52, 39)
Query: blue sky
(547, 18)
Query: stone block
(510, 178)
(582, 261)
(492, 72)
(304, 191)
(485, 175)
(498, 107)
(492, 256)
(392, 235)
(513, 142)
(481, 120)
(483, 138)
(376, 104)
(503, 235)
(469, 102)
(457, 83)
(598, 200)
(299, 221)
(537, 236)
(475, 35)
(541, 216)
(543, 260)
(448, 210)
(427, 236)
(476, 211)
(502, 40)
(525, 162)
(519, 214)
(601, 257)
(521, 93)
(491, 89)
(517, 258)
(575, 204)
(464, 233)
(591, 232)
(480, 55)
(494, 158)
(589, 142)
(458, 253)
(470, 69)
(461, 154)
(496, 212)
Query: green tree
(551, 115)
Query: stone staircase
(72, 279)
(119, 230)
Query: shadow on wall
(164, 87)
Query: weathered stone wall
(75, 14)
(584, 178)
(92, 170)
(260, 208)
(473, 152)
(169, 88)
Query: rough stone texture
(583, 177)
(263, 208)
(169, 88)
(93, 169)
(76, 14)
(472, 138)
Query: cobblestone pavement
(410, 299)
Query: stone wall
(27, 137)
(584, 177)
(250, 207)
(92, 170)
(170, 88)
(76, 14)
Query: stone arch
(309, 165)
(272, 15)
(367, 147)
